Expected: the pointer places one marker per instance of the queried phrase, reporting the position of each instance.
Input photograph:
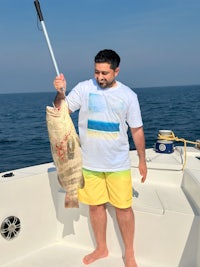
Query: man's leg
(126, 222)
(98, 219)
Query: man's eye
(103, 72)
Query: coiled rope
(172, 137)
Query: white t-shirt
(103, 118)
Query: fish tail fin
(71, 202)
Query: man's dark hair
(108, 56)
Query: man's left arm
(139, 140)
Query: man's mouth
(102, 82)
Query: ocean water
(23, 133)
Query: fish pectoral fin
(81, 183)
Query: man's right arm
(60, 86)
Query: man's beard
(105, 84)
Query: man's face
(104, 75)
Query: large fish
(66, 152)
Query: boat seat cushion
(160, 199)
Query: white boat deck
(62, 255)
(166, 207)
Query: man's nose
(100, 76)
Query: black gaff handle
(38, 9)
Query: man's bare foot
(130, 261)
(95, 255)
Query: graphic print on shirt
(103, 121)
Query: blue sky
(158, 41)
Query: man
(106, 107)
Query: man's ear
(117, 71)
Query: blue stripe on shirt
(103, 126)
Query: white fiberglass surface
(61, 255)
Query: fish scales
(66, 152)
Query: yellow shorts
(102, 187)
